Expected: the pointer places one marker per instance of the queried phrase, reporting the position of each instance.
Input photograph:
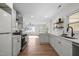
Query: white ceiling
(74, 18)
(38, 10)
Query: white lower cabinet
(66, 47)
(43, 38)
(67, 50)
(58, 47)
(52, 40)
(62, 46)
(16, 44)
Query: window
(30, 29)
(74, 21)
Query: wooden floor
(34, 48)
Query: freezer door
(5, 21)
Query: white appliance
(5, 33)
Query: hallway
(34, 48)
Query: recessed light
(46, 16)
(32, 16)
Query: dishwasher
(75, 49)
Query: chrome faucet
(72, 34)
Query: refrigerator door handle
(6, 33)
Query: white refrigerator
(5, 34)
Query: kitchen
(54, 23)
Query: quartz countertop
(72, 40)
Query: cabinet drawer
(67, 42)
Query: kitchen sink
(69, 37)
(64, 35)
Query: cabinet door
(18, 44)
(62, 46)
(56, 43)
(5, 21)
(58, 47)
(67, 48)
(52, 40)
(43, 38)
(15, 46)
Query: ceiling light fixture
(32, 16)
(46, 16)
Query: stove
(23, 41)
